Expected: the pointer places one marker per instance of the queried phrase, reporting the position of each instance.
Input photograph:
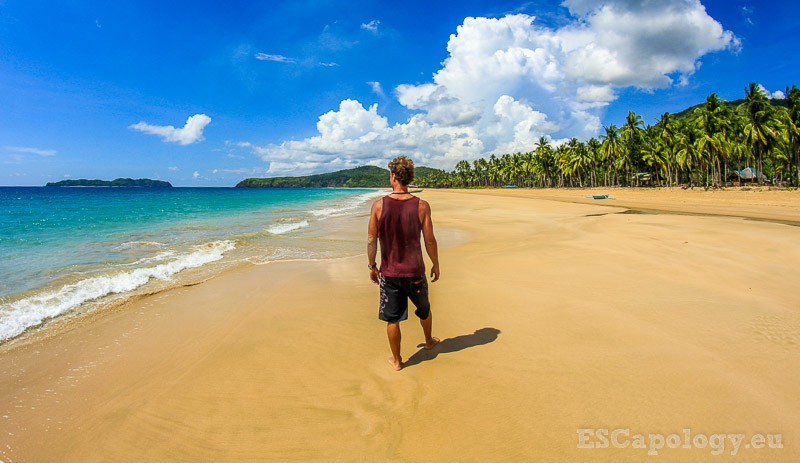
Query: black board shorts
(395, 293)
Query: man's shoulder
(424, 208)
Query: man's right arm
(431, 247)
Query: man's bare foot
(395, 364)
(432, 344)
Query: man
(396, 220)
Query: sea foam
(348, 205)
(286, 227)
(17, 316)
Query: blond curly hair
(403, 169)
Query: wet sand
(555, 313)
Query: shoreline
(73, 292)
(561, 318)
(784, 205)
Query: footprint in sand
(779, 329)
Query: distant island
(139, 182)
(360, 177)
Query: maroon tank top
(399, 229)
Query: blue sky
(206, 93)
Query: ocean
(67, 251)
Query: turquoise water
(64, 248)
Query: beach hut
(746, 175)
(643, 179)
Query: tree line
(700, 148)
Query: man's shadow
(478, 338)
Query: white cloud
(276, 58)
(354, 135)
(196, 175)
(377, 89)
(191, 132)
(173, 168)
(508, 81)
(776, 95)
(241, 171)
(596, 93)
(747, 12)
(517, 126)
(334, 37)
(286, 59)
(372, 26)
(28, 150)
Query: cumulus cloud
(508, 81)
(29, 150)
(196, 175)
(191, 132)
(354, 135)
(776, 95)
(276, 58)
(596, 93)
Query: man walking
(397, 220)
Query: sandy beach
(556, 312)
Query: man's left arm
(372, 244)
(431, 247)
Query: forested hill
(140, 182)
(688, 112)
(360, 177)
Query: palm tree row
(701, 148)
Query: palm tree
(656, 153)
(544, 155)
(688, 155)
(793, 128)
(528, 168)
(610, 149)
(631, 138)
(517, 168)
(593, 150)
(495, 174)
(560, 155)
(574, 160)
(758, 131)
(714, 119)
(463, 170)
(481, 169)
(507, 168)
(666, 134)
